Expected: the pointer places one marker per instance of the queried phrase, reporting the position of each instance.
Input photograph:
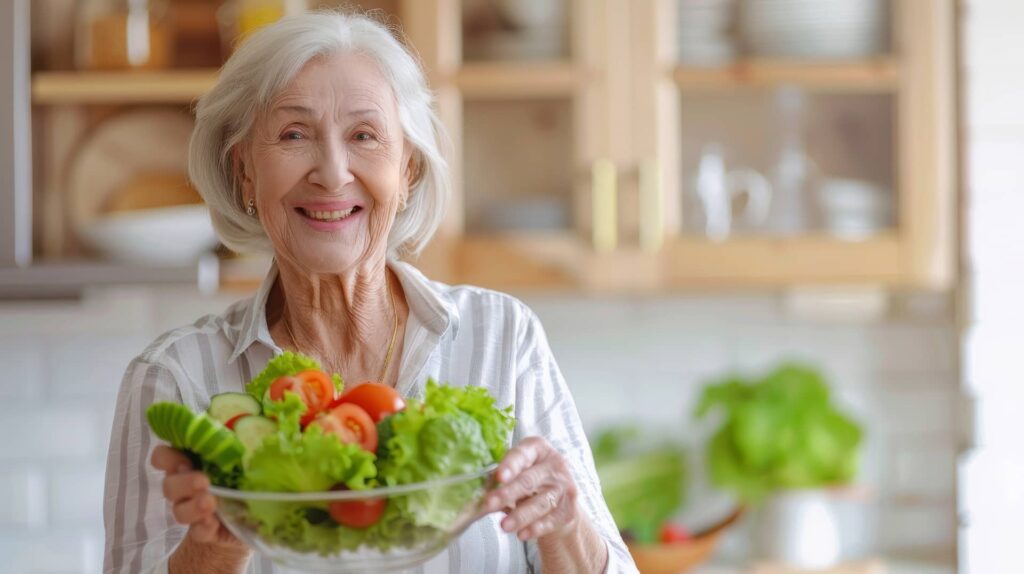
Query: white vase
(800, 529)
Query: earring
(250, 208)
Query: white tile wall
(23, 505)
(72, 431)
(22, 360)
(990, 496)
(923, 471)
(625, 359)
(75, 494)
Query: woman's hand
(188, 491)
(537, 490)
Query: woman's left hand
(537, 490)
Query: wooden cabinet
(574, 151)
(631, 114)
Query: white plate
(163, 236)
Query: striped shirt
(459, 335)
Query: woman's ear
(414, 166)
(240, 167)
(413, 175)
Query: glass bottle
(793, 169)
(240, 18)
(123, 34)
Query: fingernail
(523, 534)
(504, 474)
(492, 503)
(206, 503)
(199, 482)
(509, 524)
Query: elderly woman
(320, 144)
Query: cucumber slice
(198, 433)
(226, 406)
(252, 430)
(169, 421)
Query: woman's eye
(292, 135)
(363, 137)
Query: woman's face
(327, 166)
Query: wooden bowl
(677, 557)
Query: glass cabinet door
(525, 93)
(789, 136)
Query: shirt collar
(432, 306)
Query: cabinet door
(531, 95)
(795, 142)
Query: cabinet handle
(652, 202)
(604, 205)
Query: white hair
(256, 73)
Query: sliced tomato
(230, 423)
(288, 383)
(313, 386)
(351, 425)
(319, 387)
(357, 513)
(376, 399)
(673, 533)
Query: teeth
(329, 215)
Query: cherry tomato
(376, 399)
(319, 387)
(672, 533)
(357, 513)
(230, 423)
(351, 425)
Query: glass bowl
(296, 529)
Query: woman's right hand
(188, 491)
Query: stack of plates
(814, 28)
(705, 32)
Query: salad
(296, 429)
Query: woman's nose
(333, 169)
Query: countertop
(891, 567)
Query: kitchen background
(681, 189)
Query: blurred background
(797, 194)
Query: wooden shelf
(476, 81)
(565, 263)
(129, 87)
(767, 261)
(518, 80)
(876, 75)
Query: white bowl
(160, 237)
(854, 208)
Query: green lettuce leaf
(455, 430)
(309, 462)
(781, 431)
(287, 363)
(288, 413)
(495, 424)
(643, 481)
(288, 524)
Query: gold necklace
(394, 333)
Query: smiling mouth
(329, 215)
